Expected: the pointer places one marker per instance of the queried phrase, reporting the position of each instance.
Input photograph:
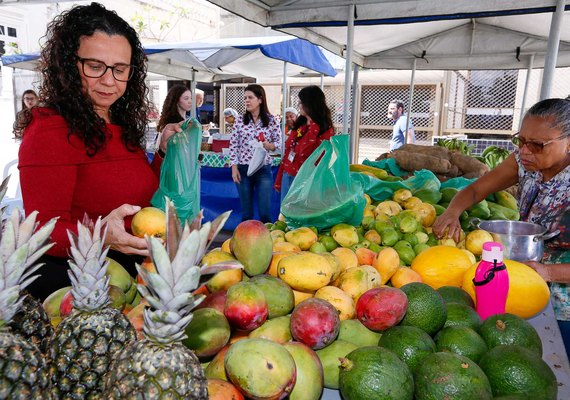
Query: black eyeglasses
(96, 69)
(532, 146)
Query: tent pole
(283, 105)
(552, 50)
(526, 84)
(347, 70)
(410, 100)
(193, 90)
(353, 128)
(322, 84)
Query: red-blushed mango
(315, 322)
(381, 308)
(310, 380)
(246, 307)
(365, 256)
(215, 300)
(252, 245)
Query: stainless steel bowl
(521, 241)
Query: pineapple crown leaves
(90, 285)
(169, 290)
(21, 244)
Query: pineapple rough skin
(32, 323)
(83, 346)
(157, 371)
(23, 370)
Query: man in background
(396, 114)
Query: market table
(554, 353)
(218, 192)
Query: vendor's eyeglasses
(96, 69)
(532, 146)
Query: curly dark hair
(61, 81)
(315, 105)
(170, 113)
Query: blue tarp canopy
(256, 57)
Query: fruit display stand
(218, 192)
(553, 353)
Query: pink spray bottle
(491, 281)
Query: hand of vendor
(447, 225)
(117, 237)
(236, 177)
(551, 272)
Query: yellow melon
(441, 266)
(528, 292)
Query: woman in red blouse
(81, 151)
(313, 125)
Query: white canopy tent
(425, 34)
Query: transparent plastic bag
(180, 172)
(323, 193)
(258, 159)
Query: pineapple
(31, 321)
(23, 370)
(160, 366)
(87, 340)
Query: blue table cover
(218, 194)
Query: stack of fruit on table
(298, 318)
(306, 310)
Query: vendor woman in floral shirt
(312, 127)
(541, 167)
(257, 124)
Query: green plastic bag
(180, 172)
(388, 164)
(323, 193)
(380, 190)
(457, 183)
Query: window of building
(12, 32)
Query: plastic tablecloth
(218, 194)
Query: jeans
(286, 182)
(262, 183)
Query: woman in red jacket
(82, 149)
(313, 125)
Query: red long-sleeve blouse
(301, 143)
(59, 179)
